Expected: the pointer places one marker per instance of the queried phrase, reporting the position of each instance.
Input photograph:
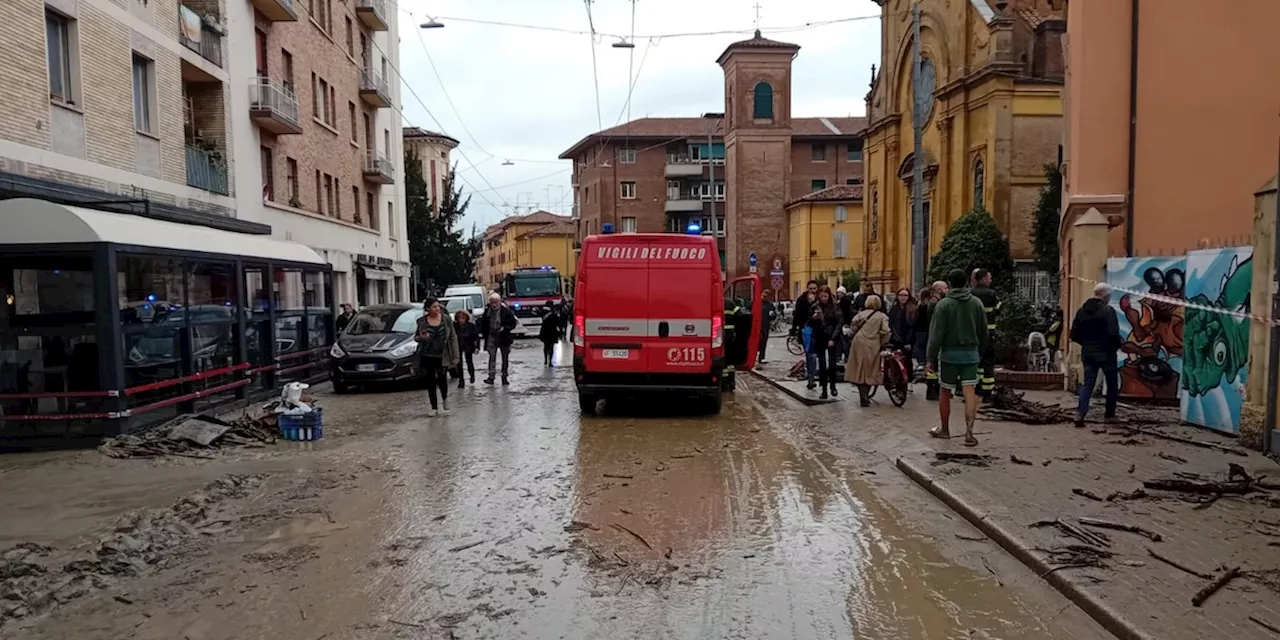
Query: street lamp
(507, 162)
(432, 23)
(622, 43)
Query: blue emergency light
(547, 267)
(694, 229)
(606, 228)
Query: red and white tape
(1183, 303)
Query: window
(819, 152)
(268, 175)
(58, 31)
(370, 207)
(355, 131)
(817, 185)
(840, 244)
(875, 214)
(319, 193)
(979, 183)
(368, 131)
(337, 199)
(322, 100)
(288, 70)
(629, 225)
(386, 141)
(719, 191)
(143, 94)
(260, 53)
(351, 44)
(627, 155)
(315, 96)
(628, 191)
(355, 203)
(327, 207)
(762, 108)
(853, 181)
(291, 177)
(842, 213)
(673, 189)
(391, 215)
(854, 152)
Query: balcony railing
(206, 170)
(277, 10)
(273, 106)
(373, 13)
(378, 168)
(208, 44)
(374, 89)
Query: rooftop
(416, 133)
(757, 42)
(838, 193)
(562, 228)
(537, 217)
(677, 129)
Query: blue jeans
(1111, 376)
(810, 366)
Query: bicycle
(795, 345)
(896, 378)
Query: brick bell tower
(757, 97)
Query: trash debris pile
(192, 436)
(34, 578)
(1007, 404)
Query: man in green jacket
(957, 338)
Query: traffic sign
(777, 273)
(751, 260)
(751, 269)
(777, 283)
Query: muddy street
(513, 516)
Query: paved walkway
(1134, 595)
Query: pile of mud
(34, 579)
(193, 436)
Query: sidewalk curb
(1110, 620)
(805, 400)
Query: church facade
(989, 96)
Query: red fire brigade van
(650, 313)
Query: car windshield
(534, 284)
(384, 321)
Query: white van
(479, 297)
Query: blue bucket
(304, 427)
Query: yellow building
(827, 236)
(990, 100)
(549, 245)
(500, 250)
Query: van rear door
(745, 291)
(617, 298)
(680, 308)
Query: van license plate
(616, 354)
(366, 367)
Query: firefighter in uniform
(732, 311)
(982, 290)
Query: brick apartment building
(655, 175)
(270, 117)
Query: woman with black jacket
(829, 349)
(468, 344)
(924, 313)
(902, 324)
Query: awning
(32, 221)
(377, 273)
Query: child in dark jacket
(468, 344)
(816, 337)
(549, 333)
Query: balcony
(683, 204)
(373, 13)
(273, 107)
(378, 168)
(196, 33)
(277, 10)
(374, 89)
(685, 167)
(206, 169)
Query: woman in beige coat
(870, 333)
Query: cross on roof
(757, 8)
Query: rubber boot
(834, 390)
(931, 390)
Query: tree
(973, 242)
(436, 245)
(851, 280)
(1048, 217)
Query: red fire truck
(527, 290)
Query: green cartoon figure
(1217, 344)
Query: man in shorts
(957, 338)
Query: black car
(377, 347)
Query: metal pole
(711, 167)
(917, 165)
(1273, 358)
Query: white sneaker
(431, 413)
(444, 406)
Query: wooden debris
(970, 538)
(1265, 625)
(1132, 467)
(1196, 443)
(1085, 493)
(1198, 486)
(1008, 405)
(1122, 526)
(1013, 457)
(1092, 538)
(1213, 587)
(1136, 494)
(971, 459)
(469, 545)
(1177, 565)
(1171, 457)
(168, 439)
(618, 476)
(633, 534)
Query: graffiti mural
(1216, 359)
(1151, 330)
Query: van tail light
(579, 328)
(717, 332)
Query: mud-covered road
(515, 517)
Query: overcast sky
(527, 95)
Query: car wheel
(714, 403)
(341, 388)
(587, 403)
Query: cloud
(528, 94)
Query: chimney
(1047, 58)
